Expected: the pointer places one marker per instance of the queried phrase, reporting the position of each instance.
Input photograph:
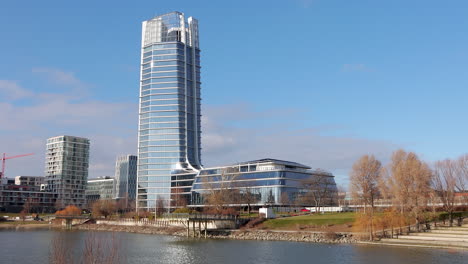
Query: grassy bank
(311, 221)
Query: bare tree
(409, 183)
(318, 190)
(445, 184)
(219, 191)
(364, 180)
(178, 199)
(160, 206)
(249, 196)
(284, 199)
(462, 177)
(341, 195)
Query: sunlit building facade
(266, 182)
(102, 188)
(125, 176)
(169, 116)
(67, 162)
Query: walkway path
(440, 237)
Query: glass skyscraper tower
(169, 120)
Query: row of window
(161, 113)
(160, 97)
(155, 191)
(164, 172)
(164, 46)
(163, 102)
(162, 137)
(163, 85)
(161, 108)
(164, 69)
(162, 63)
(160, 80)
(163, 143)
(155, 166)
(165, 148)
(165, 74)
(241, 184)
(163, 51)
(161, 125)
(167, 154)
(162, 131)
(160, 160)
(163, 91)
(155, 114)
(154, 178)
(164, 57)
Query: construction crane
(4, 158)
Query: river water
(34, 246)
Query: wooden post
(206, 227)
(193, 227)
(188, 228)
(199, 228)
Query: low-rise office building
(15, 198)
(102, 188)
(266, 182)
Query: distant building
(13, 198)
(29, 180)
(67, 161)
(126, 177)
(266, 182)
(102, 188)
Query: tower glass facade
(169, 118)
(125, 176)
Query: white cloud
(226, 144)
(11, 90)
(64, 79)
(230, 134)
(111, 127)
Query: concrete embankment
(230, 234)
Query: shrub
(182, 211)
(254, 222)
(69, 210)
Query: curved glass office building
(266, 182)
(169, 118)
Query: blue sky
(319, 82)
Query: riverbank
(21, 225)
(245, 234)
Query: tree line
(410, 188)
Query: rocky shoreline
(250, 234)
(24, 226)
